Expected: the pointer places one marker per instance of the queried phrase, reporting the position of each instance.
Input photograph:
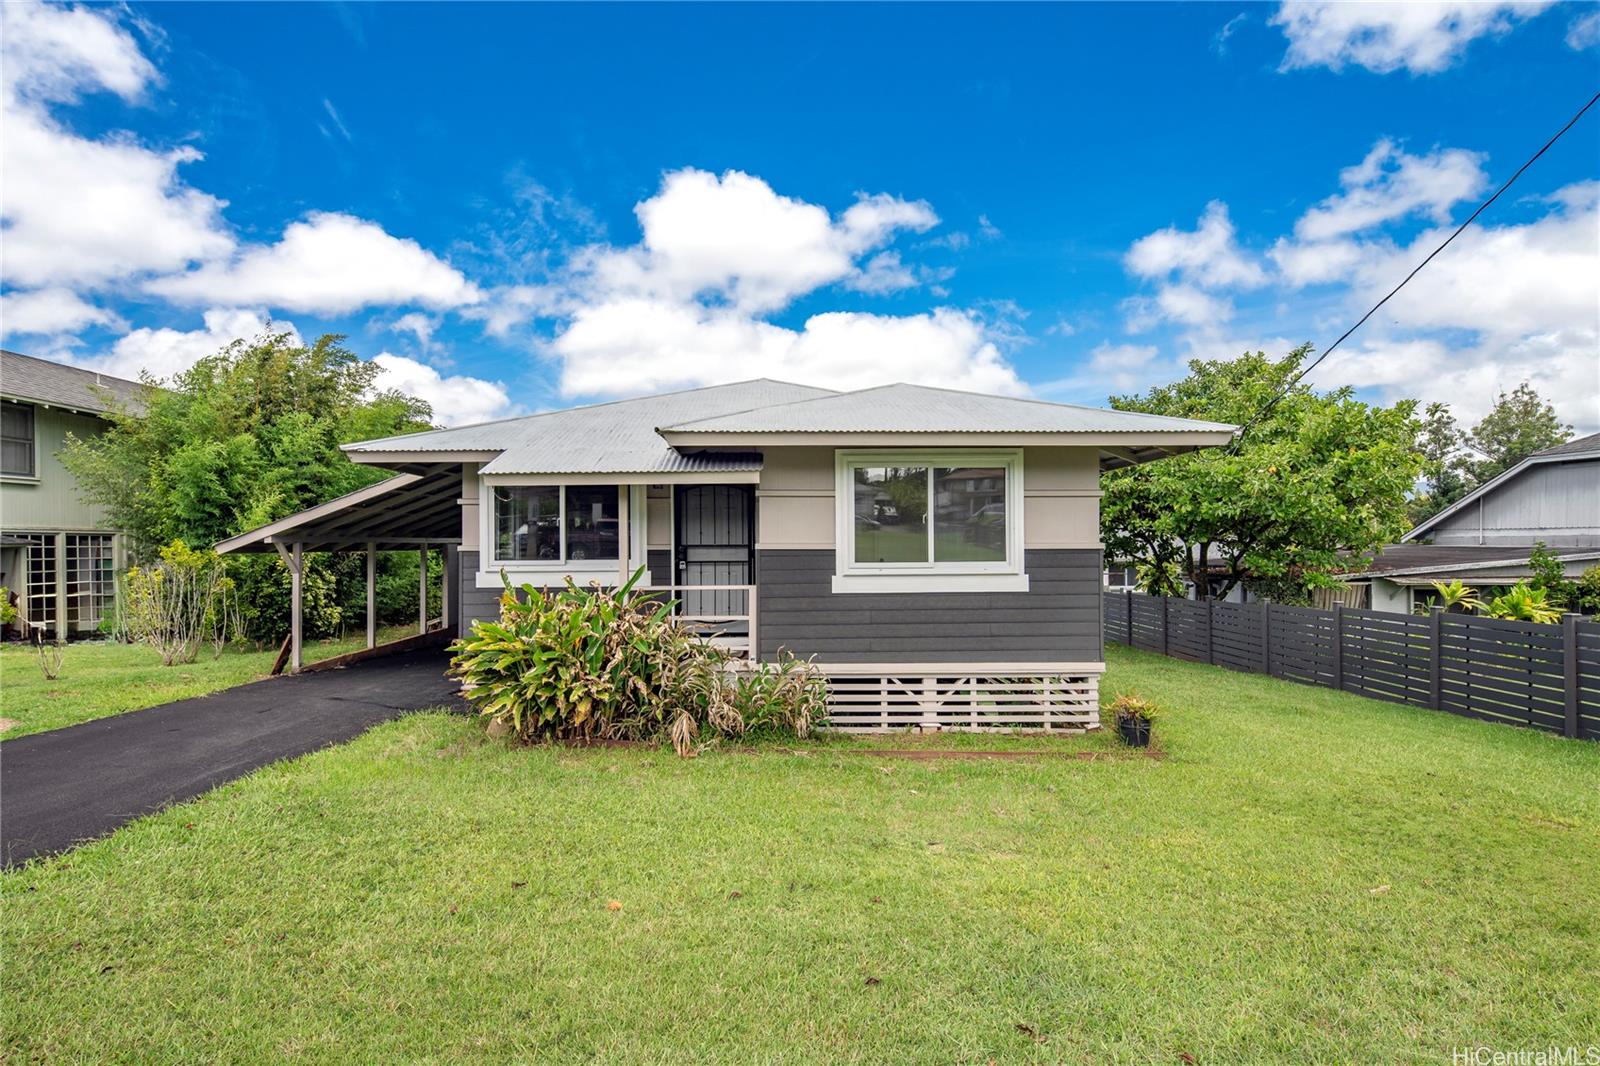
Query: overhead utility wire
(1273, 402)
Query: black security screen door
(715, 546)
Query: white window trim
(554, 571)
(932, 576)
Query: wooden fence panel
(1236, 636)
(1303, 645)
(1518, 673)
(1386, 656)
(1188, 630)
(1588, 680)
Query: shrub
(179, 603)
(1129, 705)
(1589, 590)
(51, 653)
(8, 610)
(1522, 603)
(1456, 597)
(1551, 576)
(577, 664)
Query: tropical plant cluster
(1544, 597)
(580, 664)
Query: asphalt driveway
(60, 788)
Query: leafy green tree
(243, 437)
(1322, 476)
(1519, 424)
(1444, 477)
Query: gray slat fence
(1517, 673)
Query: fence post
(1163, 625)
(1266, 638)
(1437, 658)
(1130, 618)
(1569, 660)
(1338, 645)
(1211, 628)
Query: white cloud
(734, 240)
(57, 53)
(78, 210)
(330, 264)
(509, 306)
(634, 345)
(1207, 256)
(1420, 36)
(687, 305)
(164, 353)
(457, 400)
(43, 311)
(883, 273)
(1390, 183)
(1315, 264)
(1190, 306)
(1113, 369)
(1584, 32)
(417, 324)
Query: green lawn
(100, 678)
(1302, 876)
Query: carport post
(291, 559)
(372, 595)
(422, 592)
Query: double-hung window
(555, 523)
(16, 440)
(926, 512)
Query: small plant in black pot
(1134, 715)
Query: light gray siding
(1558, 503)
(1056, 620)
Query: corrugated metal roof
(608, 438)
(905, 408)
(1439, 561)
(25, 377)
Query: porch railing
(711, 622)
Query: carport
(407, 512)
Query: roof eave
(1081, 438)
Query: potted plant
(1134, 715)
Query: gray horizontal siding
(473, 604)
(1057, 619)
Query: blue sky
(517, 207)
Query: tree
(1321, 477)
(1518, 425)
(1445, 481)
(243, 437)
(1456, 462)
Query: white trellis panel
(879, 698)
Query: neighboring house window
(1121, 577)
(930, 512)
(16, 440)
(555, 524)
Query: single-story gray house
(1484, 538)
(936, 552)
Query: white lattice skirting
(978, 697)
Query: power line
(1273, 402)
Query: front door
(715, 546)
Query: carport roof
(403, 511)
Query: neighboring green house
(57, 553)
